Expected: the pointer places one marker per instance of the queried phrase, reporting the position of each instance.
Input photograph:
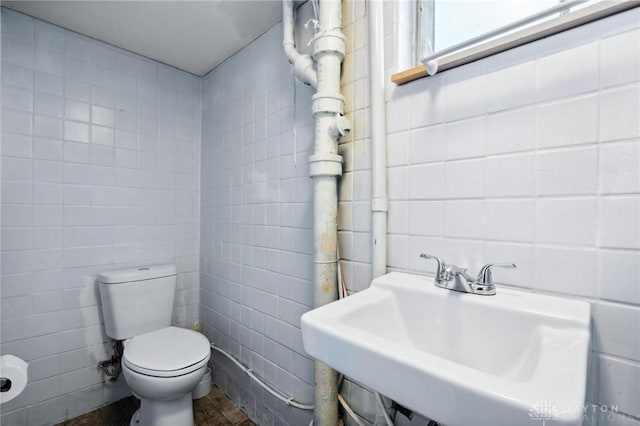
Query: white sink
(515, 358)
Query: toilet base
(164, 413)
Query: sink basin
(515, 358)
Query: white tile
(397, 218)
(17, 239)
(464, 179)
(397, 115)
(16, 168)
(619, 166)
(47, 193)
(509, 220)
(397, 251)
(47, 127)
(102, 116)
(614, 327)
(17, 26)
(619, 59)
(463, 218)
(466, 92)
(47, 149)
(427, 105)
(17, 98)
(77, 45)
(18, 146)
(619, 384)
(567, 172)
(426, 218)
(47, 171)
(510, 176)
(15, 262)
(577, 76)
(47, 104)
(397, 184)
(49, 83)
(510, 131)
(426, 144)
(102, 135)
(44, 215)
(568, 122)
(426, 182)
(16, 215)
(511, 87)
(49, 36)
(465, 139)
(566, 221)
(77, 111)
(77, 132)
(17, 52)
(620, 114)
(397, 149)
(48, 61)
(569, 271)
(77, 90)
(619, 275)
(620, 222)
(17, 192)
(17, 75)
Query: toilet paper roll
(13, 377)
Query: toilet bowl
(162, 367)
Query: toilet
(161, 364)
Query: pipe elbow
(305, 71)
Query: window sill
(518, 38)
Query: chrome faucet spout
(462, 281)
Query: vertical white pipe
(379, 202)
(325, 167)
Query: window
(449, 33)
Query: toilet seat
(167, 352)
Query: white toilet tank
(137, 300)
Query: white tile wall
(256, 226)
(100, 169)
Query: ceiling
(195, 36)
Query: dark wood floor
(214, 409)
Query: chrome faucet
(456, 278)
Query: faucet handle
(484, 276)
(441, 274)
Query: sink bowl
(516, 358)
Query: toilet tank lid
(137, 274)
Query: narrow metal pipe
(379, 201)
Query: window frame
(563, 22)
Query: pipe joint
(327, 103)
(341, 126)
(329, 42)
(325, 165)
(379, 205)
